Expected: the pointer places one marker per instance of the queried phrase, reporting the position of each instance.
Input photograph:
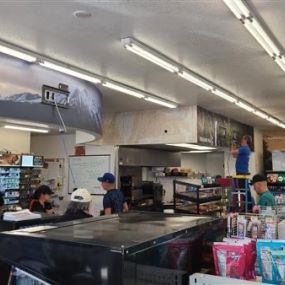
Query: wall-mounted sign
(220, 131)
(10, 159)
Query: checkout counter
(133, 248)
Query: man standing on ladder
(242, 155)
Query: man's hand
(256, 209)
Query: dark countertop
(119, 232)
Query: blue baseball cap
(107, 177)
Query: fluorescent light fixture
(196, 80)
(149, 54)
(199, 151)
(260, 114)
(245, 106)
(248, 25)
(124, 89)
(161, 102)
(273, 121)
(281, 62)
(26, 129)
(242, 12)
(25, 123)
(191, 146)
(282, 125)
(15, 52)
(234, 8)
(265, 36)
(224, 95)
(242, 7)
(69, 71)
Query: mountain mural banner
(21, 96)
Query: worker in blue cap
(114, 200)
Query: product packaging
(230, 260)
(265, 260)
(278, 263)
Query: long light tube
(161, 102)
(248, 25)
(149, 54)
(196, 80)
(199, 151)
(224, 95)
(17, 53)
(265, 36)
(26, 129)
(251, 23)
(245, 106)
(273, 121)
(123, 89)
(69, 71)
(234, 8)
(280, 62)
(260, 114)
(242, 7)
(191, 146)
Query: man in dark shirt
(114, 200)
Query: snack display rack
(17, 185)
(255, 226)
(195, 199)
(205, 279)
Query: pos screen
(27, 161)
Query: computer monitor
(27, 160)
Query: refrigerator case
(132, 249)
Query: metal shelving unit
(193, 199)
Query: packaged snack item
(278, 262)
(250, 253)
(230, 260)
(264, 258)
(270, 228)
(241, 227)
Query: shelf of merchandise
(17, 185)
(197, 200)
(205, 279)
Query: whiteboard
(83, 172)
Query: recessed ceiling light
(82, 14)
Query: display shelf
(206, 279)
(193, 199)
(190, 197)
(19, 180)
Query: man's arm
(108, 211)
(125, 207)
(234, 152)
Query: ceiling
(202, 35)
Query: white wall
(211, 163)
(15, 141)
(52, 146)
(197, 162)
(55, 146)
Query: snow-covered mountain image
(22, 97)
